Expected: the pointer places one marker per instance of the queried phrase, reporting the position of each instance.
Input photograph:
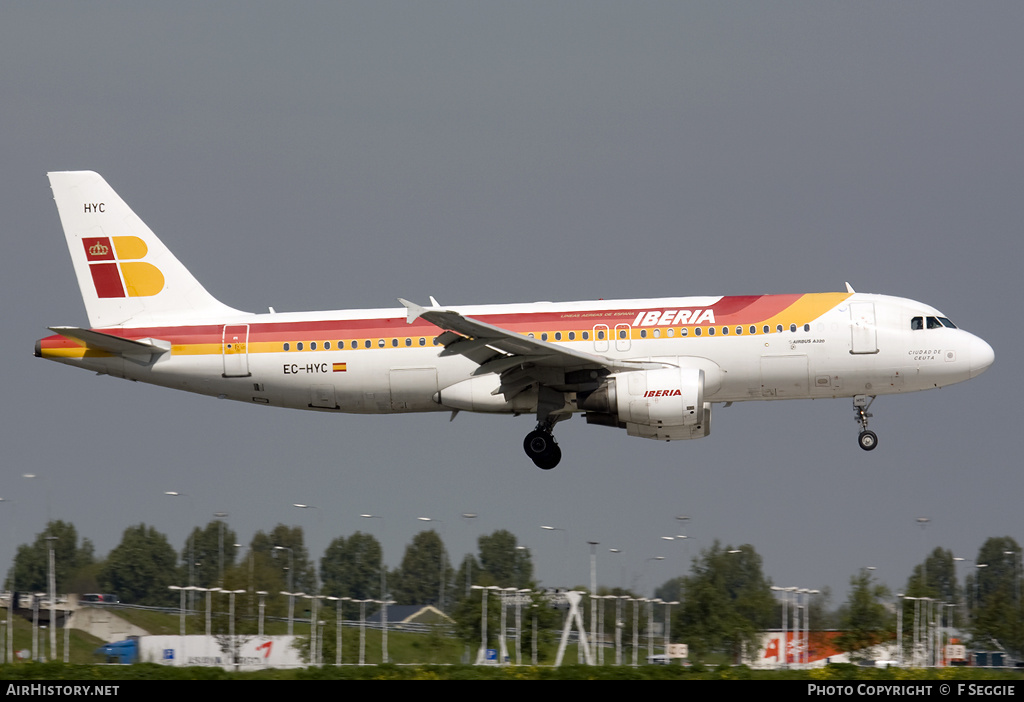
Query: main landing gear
(540, 444)
(868, 440)
(541, 447)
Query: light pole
(383, 583)
(291, 566)
(622, 568)
(316, 586)
(553, 528)
(181, 660)
(899, 628)
(593, 590)
(291, 608)
(51, 577)
(11, 604)
(483, 622)
(784, 644)
(209, 594)
(520, 594)
(468, 517)
(807, 623)
(977, 581)
(362, 630)
(190, 545)
(636, 627)
(923, 523)
(231, 625)
(263, 606)
(650, 579)
(440, 595)
(314, 652)
(221, 516)
(619, 623)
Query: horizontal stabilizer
(141, 351)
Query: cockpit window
(931, 323)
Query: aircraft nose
(982, 356)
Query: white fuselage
(863, 345)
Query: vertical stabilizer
(125, 273)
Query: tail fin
(125, 273)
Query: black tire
(868, 440)
(542, 449)
(537, 443)
(550, 459)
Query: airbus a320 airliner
(653, 367)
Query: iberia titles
(674, 318)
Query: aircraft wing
(498, 350)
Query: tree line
(722, 604)
(143, 566)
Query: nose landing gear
(867, 440)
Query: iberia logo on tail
(117, 270)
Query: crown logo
(99, 249)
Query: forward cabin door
(235, 350)
(864, 334)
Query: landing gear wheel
(542, 449)
(867, 440)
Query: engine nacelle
(666, 404)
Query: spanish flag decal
(339, 368)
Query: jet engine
(666, 404)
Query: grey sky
(340, 154)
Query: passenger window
(739, 330)
(622, 333)
(767, 329)
(298, 346)
(585, 335)
(807, 327)
(544, 336)
(287, 346)
(643, 333)
(558, 336)
(696, 331)
(312, 346)
(657, 334)
(725, 330)
(572, 336)
(792, 327)
(380, 343)
(711, 331)
(684, 331)
(423, 342)
(753, 329)
(778, 328)
(600, 334)
(671, 333)
(367, 343)
(408, 342)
